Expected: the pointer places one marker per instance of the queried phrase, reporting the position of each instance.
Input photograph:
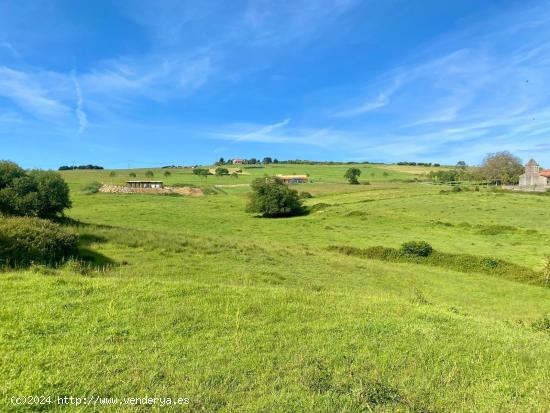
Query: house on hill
(534, 178)
(237, 161)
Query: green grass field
(194, 298)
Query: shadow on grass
(302, 212)
(94, 258)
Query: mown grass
(237, 313)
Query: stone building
(145, 184)
(534, 178)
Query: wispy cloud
(155, 77)
(10, 48)
(283, 132)
(34, 92)
(80, 114)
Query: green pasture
(318, 173)
(192, 297)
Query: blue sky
(149, 83)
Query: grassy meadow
(193, 297)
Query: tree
(132, 174)
(167, 174)
(501, 168)
(201, 172)
(8, 172)
(352, 174)
(222, 171)
(53, 193)
(267, 159)
(270, 197)
(149, 174)
(37, 193)
(221, 162)
(461, 164)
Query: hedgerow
(460, 262)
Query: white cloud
(80, 114)
(34, 92)
(155, 77)
(10, 48)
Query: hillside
(192, 297)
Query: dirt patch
(184, 190)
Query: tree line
(71, 167)
(270, 160)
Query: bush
(456, 188)
(149, 174)
(37, 193)
(305, 195)
(417, 248)
(132, 174)
(26, 240)
(92, 188)
(272, 198)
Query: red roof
(545, 172)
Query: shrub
(167, 173)
(132, 175)
(305, 195)
(92, 188)
(270, 197)
(25, 240)
(37, 193)
(149, 174)
(456, 188)
(417, 248)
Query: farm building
(145, 184)
(294, 179)
(534, 177)
(237, 161)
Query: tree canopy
(36, 193)
(352, 175)
(270, 197)
(501, 167)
